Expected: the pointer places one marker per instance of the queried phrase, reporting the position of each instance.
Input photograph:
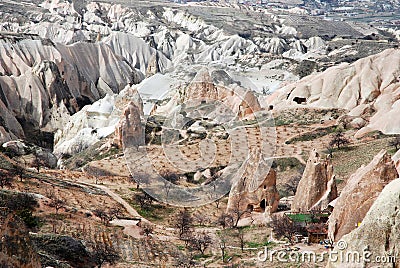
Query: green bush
(28, 218)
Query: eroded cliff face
(99, 120)
(379, 232)
(130, 131)
(360, 192)
(317, 187)
(396, 159)
(229, 99)
(369, 88)
(255, 190)
(42, 84)
(16, 246)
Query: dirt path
(132, 212)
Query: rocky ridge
(367, 88)
(360, 192)
(378, 233)
(317, 187)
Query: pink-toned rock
(255, 190)
(396, 159)
(240, 101)
(130, 130)
(378, 234)
(360, 192)
(317, 187)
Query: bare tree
(200, 241)
(225, 220)
(115, 212)
(284, 227)
(291, 186)
(185, 261)
(147, 228)
(143, 199)
(213, 195)
(107, 215)
(339, 140)
(38, 162)
(183, 222)
(240, 236)
(167, 187)
(102, 214)
(217, 202)
(19, 169)
(56, 202)
(170, 176)
(96, 173)
(201, 219)
(104, 252)
(330, 151)
(6, 178)
(222, 244)
(237, 212)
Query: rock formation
(379, 232)
(19, 148)
(239, 101)
(203, 88)
(317, 187)
(396, 159)
(135, 51)
(130, 131)
(360, 192)
(43, 84)
(368, 88)
(152, 67)
(255, 190)
(315, 43)
(16, 247)
(95, 122)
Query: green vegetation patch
(306, 217)
(312, 135)
(90, 154)
(306, 116)
(287, 163)
(347, 161)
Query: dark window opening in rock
(271, 107)
(299, 100)
(263, 205)
(250, 208)
(265, 187)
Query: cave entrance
(263, 205)
(300, 100)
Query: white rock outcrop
(368, 88)
(94, 122)
(43, 84)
